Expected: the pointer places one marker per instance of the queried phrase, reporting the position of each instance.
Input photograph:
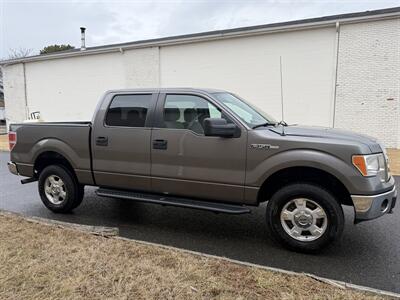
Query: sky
(36, 24)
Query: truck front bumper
(373, 206)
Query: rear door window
(128, 110)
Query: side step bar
(29, 180)
(173, 201)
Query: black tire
(74, 192)
(322, 197)
(81, 195)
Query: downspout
(336, 62)
(25, 93)
(159, 67)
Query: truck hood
(329, 133)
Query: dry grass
(46, 262)
(3, 142)
(394, 157)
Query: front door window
(188, 112)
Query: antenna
(280, 69)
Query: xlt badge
(263, 146)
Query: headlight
(386, 157)
(371, 165)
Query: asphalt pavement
(368, 254)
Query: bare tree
(18, 53)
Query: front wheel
(59, 190)
(304, 217)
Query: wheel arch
(47, 158)
(304, 174)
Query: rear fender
(57, 146)
(80, 165)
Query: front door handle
(160, 144)
(102, 141)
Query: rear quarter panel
(69, 140)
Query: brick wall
(368, 84)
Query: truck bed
(72, 139)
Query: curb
(113, 232)
(95, 230)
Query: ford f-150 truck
(211, 150)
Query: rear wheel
(304, 217)
(59, 190)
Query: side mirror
(219, 127)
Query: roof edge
(386, 13)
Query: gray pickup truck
(208, 149)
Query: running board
(173, 201)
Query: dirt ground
(39, 261)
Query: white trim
(335, 74)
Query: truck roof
(173, 89)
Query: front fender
(342, 170)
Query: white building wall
(69, 88)
(141, 68)
(249, 66)
(14, 93)
(368, 86)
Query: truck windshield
(245, 112)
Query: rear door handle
(102, 141)
(160, 144)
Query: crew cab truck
(211, 150)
